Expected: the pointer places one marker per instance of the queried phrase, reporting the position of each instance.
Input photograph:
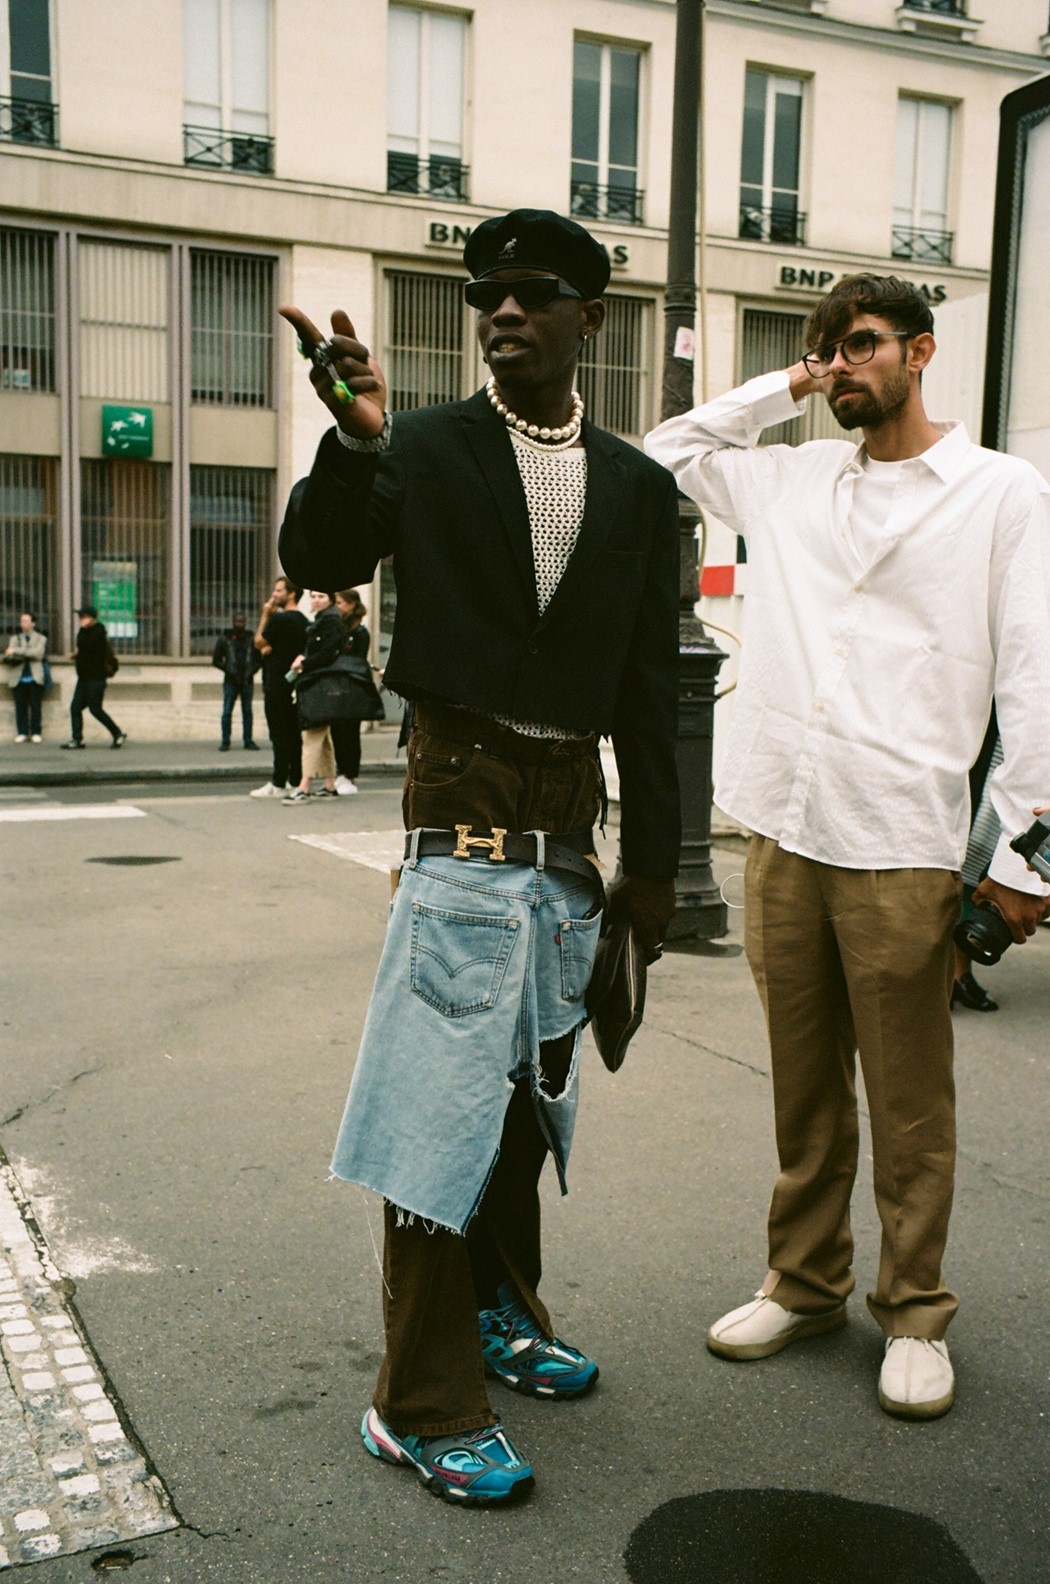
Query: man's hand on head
(346, 360)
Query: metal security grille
(125, 517)
(232, 548)
(27, 310)
(424, 352)
(775, 341)
(124, 320)
(28, 542)
(615, 369)
(231, 329)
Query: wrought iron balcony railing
(925, 247)
(593, 202)
(440, 176)
(29, 121)
(780, 224)
(216, 150)
(952, 8)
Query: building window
(27, 114)
(426, 51)
(605, 89)
(226, 75)
(424, 357)
(27, 311)
(232, 539)
(124, 321)
(125, 515)
(29, 542)
(770, 159)
(231, 329)
(920, 189)
(614, 373)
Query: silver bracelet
(380, 442)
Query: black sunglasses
(531, 291)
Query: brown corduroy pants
(848, 962)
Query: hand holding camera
(1004, 915)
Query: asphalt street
(185, 988)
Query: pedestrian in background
(96, 663)
(24, 656)
(346, 735)
(279, 637)
(237, 658)
(324, 641)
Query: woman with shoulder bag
(24, 656)
(324, 638)
(346, 734)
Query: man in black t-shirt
(279, 638)
(94, 667)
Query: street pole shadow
(790, 1537)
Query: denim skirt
(482, 962)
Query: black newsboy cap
(539, 239)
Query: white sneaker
(344, 786)
(762, 1327)
(36, 737)
(269, 790)
(916, 1380)
(21, 737)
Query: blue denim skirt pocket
(578, 942)
(459, 959)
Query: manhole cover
(134, 860)
(791, 1537)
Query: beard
(866, 410)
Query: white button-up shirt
(866, 680)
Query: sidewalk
(47, 764)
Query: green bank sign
(127, 431)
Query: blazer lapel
(605, 477)
(488, 439)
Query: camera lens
(984, 936)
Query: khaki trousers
(847, 962)
(318, 756)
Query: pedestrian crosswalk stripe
(73, 811)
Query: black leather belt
(563, 851)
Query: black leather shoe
(254, 746)
(72, 743)
(224, 747)
(967, 992)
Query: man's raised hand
(348, 360)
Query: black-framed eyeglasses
(856, 348)
(531, 291)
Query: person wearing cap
(519, 526)
(94, 667)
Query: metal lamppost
(701, 913)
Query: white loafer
(763, 1327)
(916, 1380)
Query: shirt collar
(943, 458)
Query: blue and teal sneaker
(517, 1353)
(476, 1466)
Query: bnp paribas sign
(127, 431)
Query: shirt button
(533, 648)
(858, 588)
(818, 709)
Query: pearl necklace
(539, 436)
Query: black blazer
(447, 502)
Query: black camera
(986, 935)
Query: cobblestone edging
(71, 1476)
